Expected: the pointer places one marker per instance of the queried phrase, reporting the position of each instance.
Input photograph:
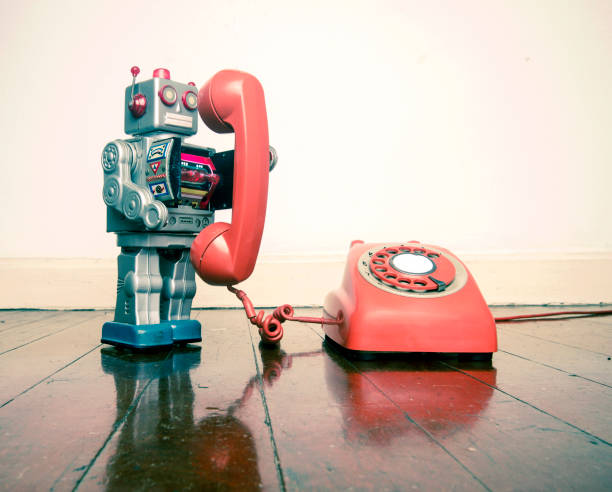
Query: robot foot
(140, 337)
(185, 330)
(156, 336)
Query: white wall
(481, 126)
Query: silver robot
(158, 192)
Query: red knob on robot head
(161, 73)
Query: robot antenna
(138, 103)
(135, 71)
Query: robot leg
(139, 284)
(178, 290)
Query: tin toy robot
(157, 190)
(160, 193)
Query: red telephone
(225, 254)
(409, 297)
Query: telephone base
(388, 308)
(143, 337)
(366, 355)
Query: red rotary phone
(410, 297)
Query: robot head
(160, 105)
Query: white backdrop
(481, 126)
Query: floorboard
(573, 361)
(13, 319)
(232, 414)
(33, 363)
(335, 429)
(37, 329)
(588, 334)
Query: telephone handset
(233, 101)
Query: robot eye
(168, 95)
(190, 100)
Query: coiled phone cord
(270, 327)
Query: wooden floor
(228, 414)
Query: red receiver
(225, 254)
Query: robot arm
(119, 158)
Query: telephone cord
(271, 329)
(270, 326)
(519, 317)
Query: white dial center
(412, 264)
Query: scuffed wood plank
(13, 319)
(573, 361)
(336, 431)
(32, 363)
(27, 333)
(583, 404)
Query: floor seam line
(19, 325)
(49, 376)
(410, 419)
(264, 401)
(556, 368)
(48, 335)
(422, 429)
(116, 426)
(558, 343)
(497, 388)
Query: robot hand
(122, 194)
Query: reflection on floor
(232, 414)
